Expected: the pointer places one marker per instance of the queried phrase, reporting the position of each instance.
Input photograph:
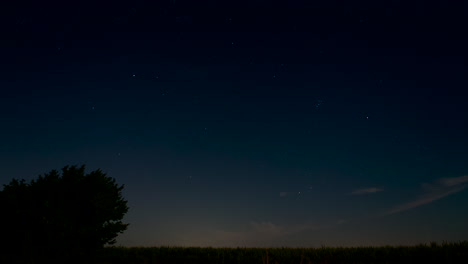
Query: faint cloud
(421, 201)
(453, 181)
(341, 221)
(283, 194)
(433, 192)
(367, 190)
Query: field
(424, 253)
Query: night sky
(248, 123)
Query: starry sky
(248, 123)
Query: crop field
(423, 253)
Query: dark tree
(60, 218)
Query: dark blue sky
(248, 124)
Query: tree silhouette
(60, 218)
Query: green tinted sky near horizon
(256, 124)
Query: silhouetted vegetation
(432, 253)
(55, 218)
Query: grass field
(424, 253)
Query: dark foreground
(429, 253)
(432, 253)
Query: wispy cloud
(283, 194)
(453, 181)
(433, 192)
(367, 190)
